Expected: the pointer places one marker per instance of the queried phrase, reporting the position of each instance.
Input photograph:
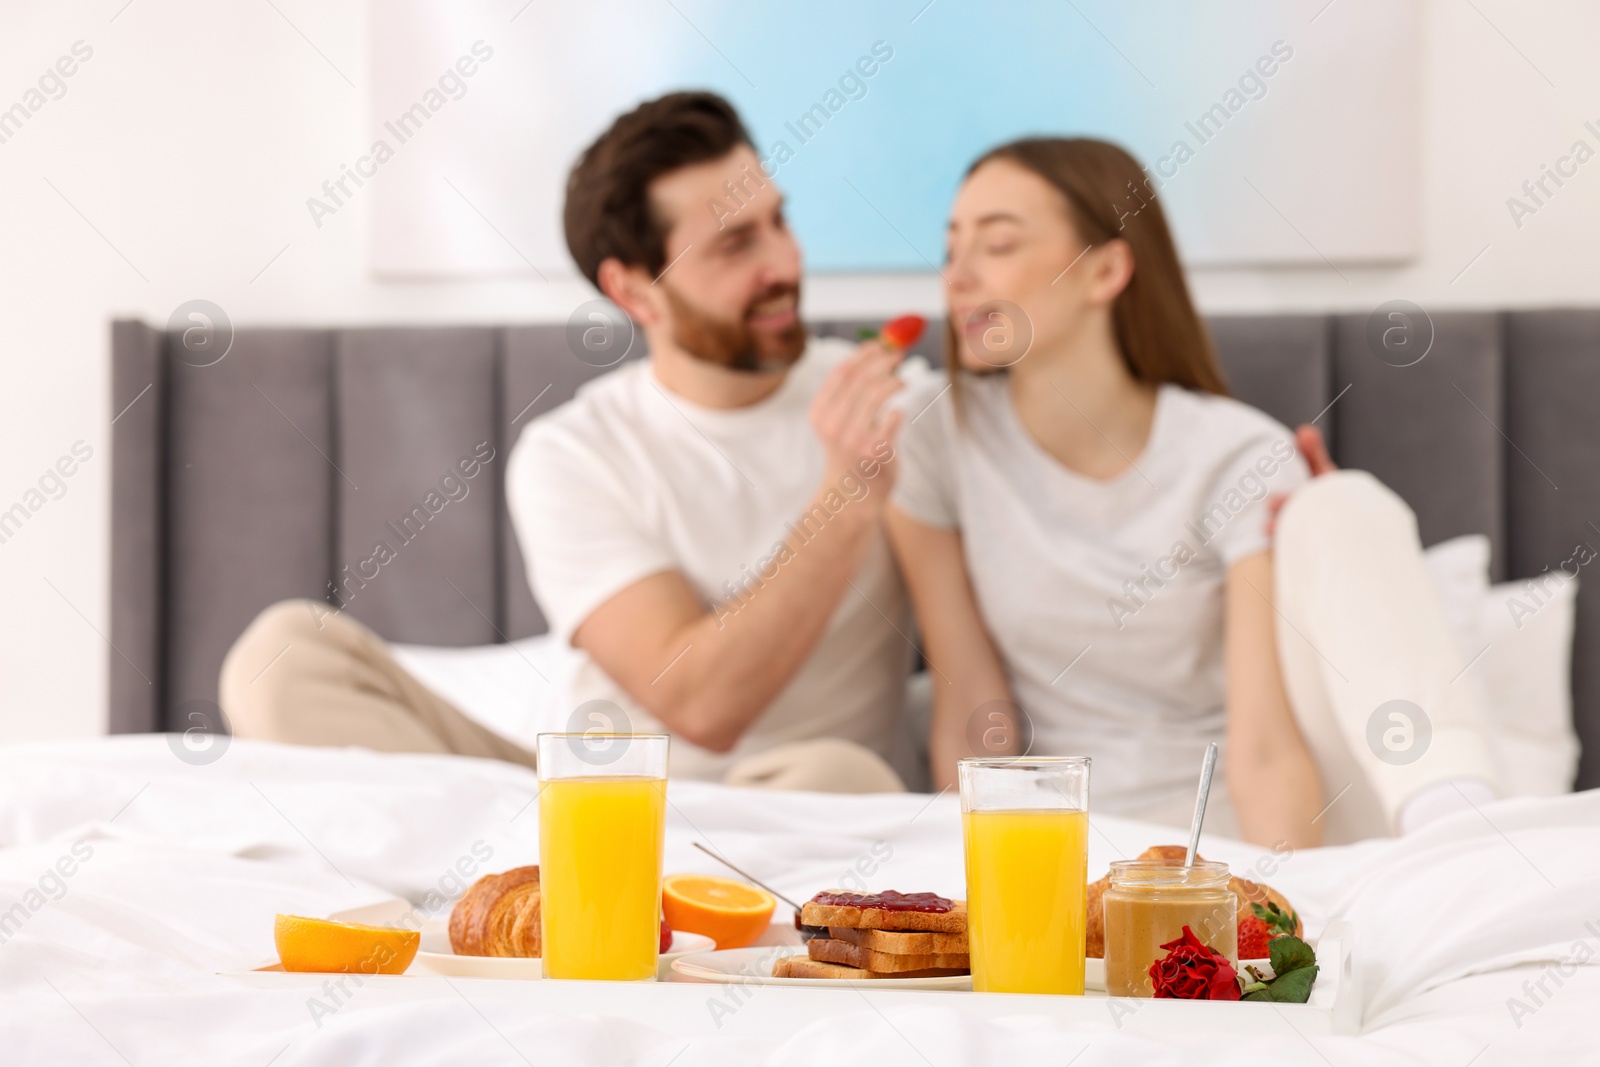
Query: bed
(1468, 937)
(138, 879)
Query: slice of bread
(806, 967)
(827, 950)
(953, 921)
(901, 942)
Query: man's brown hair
(608, 211)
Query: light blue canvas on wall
(1276, 132)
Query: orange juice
(1027, 874)
(600, 875)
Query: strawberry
(1259, 928)
(666, 937)
(900, 333)
(1253, 938)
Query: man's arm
(967, 672)
(707, 674)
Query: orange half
(350, 948)
(731, 913)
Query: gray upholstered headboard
(267, 474)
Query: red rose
(1192, 970)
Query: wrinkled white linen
(190, 863)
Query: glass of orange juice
(1026, 825)
(602, 817)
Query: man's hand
(848, 413)
(1308, 439)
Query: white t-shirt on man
(1104, 598)
(628, 480)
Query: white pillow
(1527, 671)
(1524, 635)
(514, 689)
(1459, 568)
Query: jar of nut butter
(1149, 903)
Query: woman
(1082, 517)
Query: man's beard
(735, 345)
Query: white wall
(192, 137)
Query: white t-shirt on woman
(1105, 598)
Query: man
(703, 525)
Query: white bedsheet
(190, 863)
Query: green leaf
(1290, 953)
(1294, 966)
(1295, 986)
(1275, 918)
(866, 333)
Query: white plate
(753, 966)
(435, 957)
(1094, 971)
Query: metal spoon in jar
(1206, 770)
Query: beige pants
(301, 675)
(1377, 683)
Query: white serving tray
(689, 1008)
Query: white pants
(1360, 627)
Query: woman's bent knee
(1344, 503)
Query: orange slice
(731, 913)
(352, 948)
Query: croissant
(498, 916)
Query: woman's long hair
(1108, 195)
